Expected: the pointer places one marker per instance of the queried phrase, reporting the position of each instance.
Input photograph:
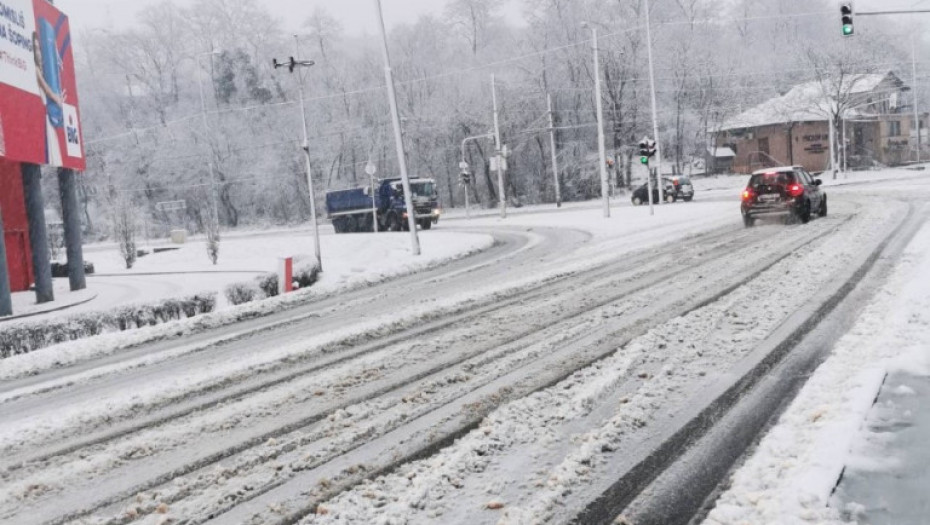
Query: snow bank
(790, 477)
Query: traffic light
(846, 16)
(647, 150)
(466, 178)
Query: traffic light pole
(655, 113)
(464, 166)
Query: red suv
(790, 192)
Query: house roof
(721, 152)
(803, 103)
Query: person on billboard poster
(48, 67)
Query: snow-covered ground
(793, 472)
(531, 458)
(347, 260)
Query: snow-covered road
(515, 386)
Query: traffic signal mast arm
(847, 12)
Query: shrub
(241, 293)
(25, 338)
(268, 284)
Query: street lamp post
(292, 65)
(398, 136)
(206, 128)
(601, 146)
(502, 191)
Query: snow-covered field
(347, 260)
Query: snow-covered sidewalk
(791, 476)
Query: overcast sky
(357, 16)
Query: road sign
(171, 206)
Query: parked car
(675, 188)
(790, 192)
(683, 188)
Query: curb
(43, 312)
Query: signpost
(371, 169)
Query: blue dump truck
(353, 210)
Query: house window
(894, 128)
(764, 145)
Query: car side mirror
(817, 182)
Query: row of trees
(148, 142)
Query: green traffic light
(644, 160)
(847, 29)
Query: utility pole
(555, 156)
(502, 192)
(206, 128)
(601, 147)
(398, 135)
(914, 94)
(293, 64)
(833, 145)
(655, 111)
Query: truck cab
(425, 203)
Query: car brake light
(795, 190)
(748, 195)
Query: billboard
(39, 116)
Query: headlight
(437, 212)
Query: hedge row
(24, 338)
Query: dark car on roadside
(789, 192)
(676, 188)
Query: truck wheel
(637, 201)
(350, 226)
(669, 198)
(395, 223)
(426, 224)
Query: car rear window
(772, 179)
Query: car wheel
(822, 212)
(804, 213)
(669, 198)
(748, 221)
(637, 201)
